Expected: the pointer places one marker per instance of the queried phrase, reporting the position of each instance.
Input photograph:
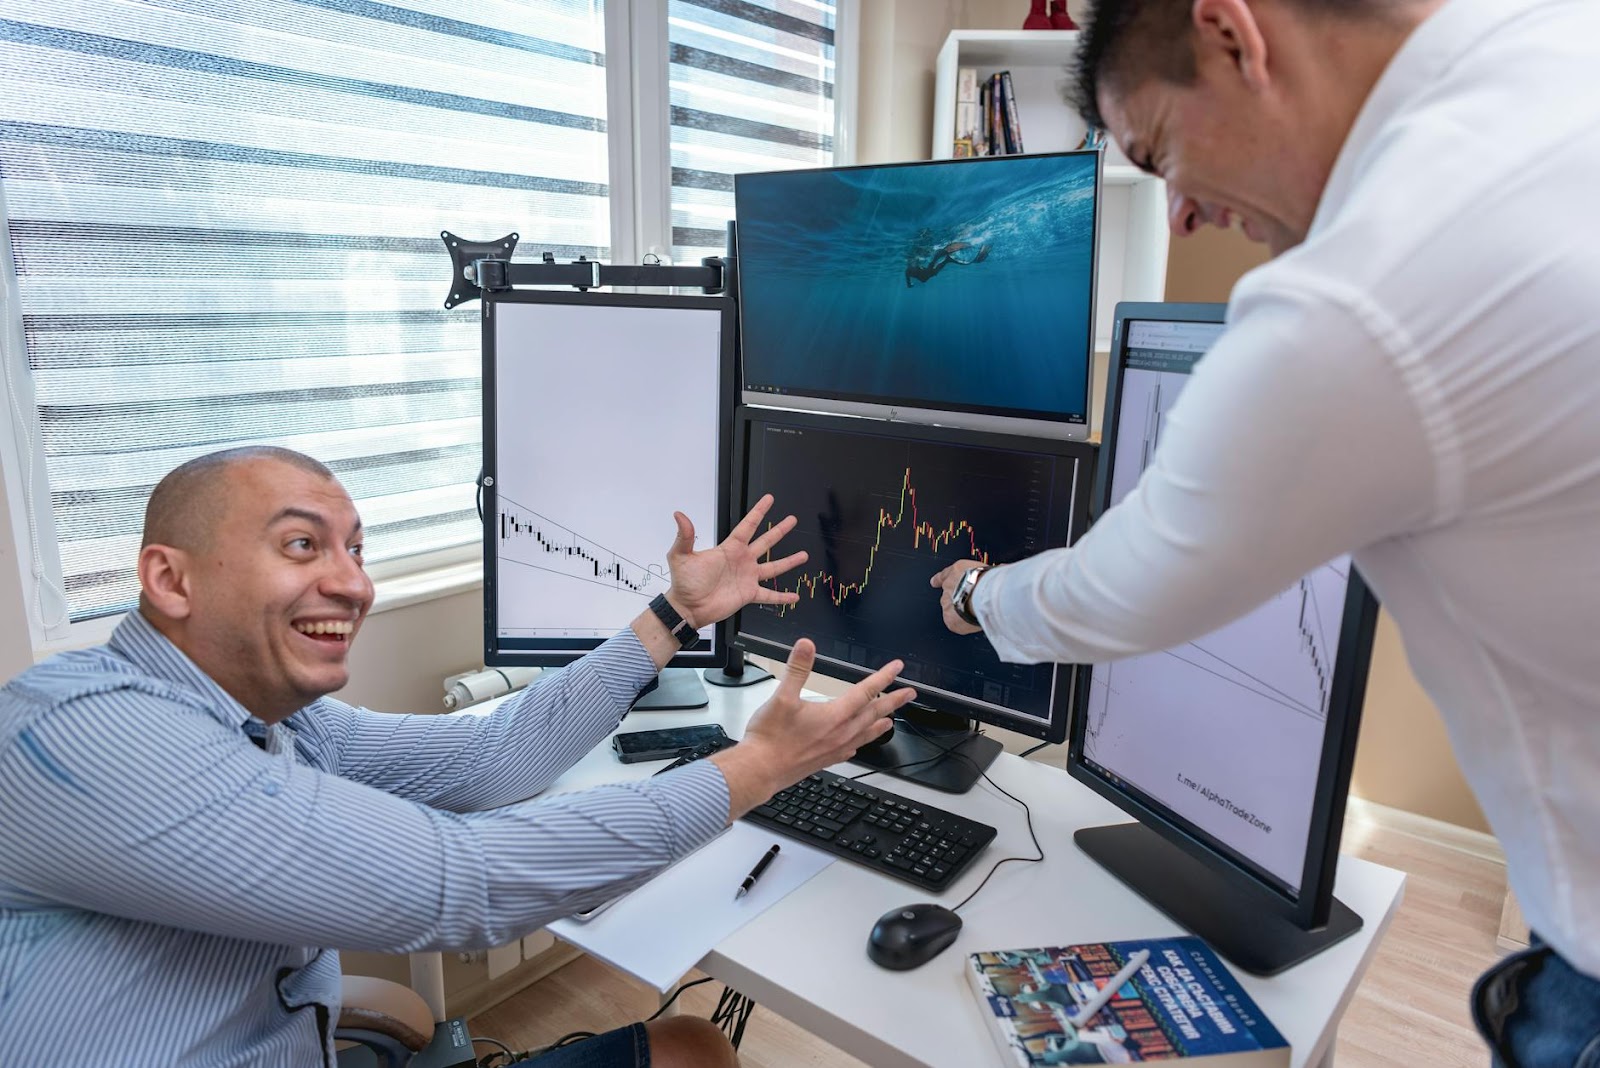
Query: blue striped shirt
(176, 876)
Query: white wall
(900, 39)
(401, 656)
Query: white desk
(806, 960)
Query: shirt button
(271, 789)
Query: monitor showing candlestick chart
(881, 508)
(1237, 744)
(603, 415)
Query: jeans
(1536, 1011)
(626, 1047)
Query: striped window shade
(752, 85)
(225, 219)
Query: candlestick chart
(878, 516)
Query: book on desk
(1182, 1004)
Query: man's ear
(164, 579)
(1228, 29)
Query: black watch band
(675, 623)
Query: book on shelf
(1013, 124)
(969, 119)
(1181, 1004)
(996, 131)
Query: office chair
(391, 1021)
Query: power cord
(668, 1003)
(947, 751)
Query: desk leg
(675, 1009)
(1326, 1060)
(427, 979)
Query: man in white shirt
(1415, 378)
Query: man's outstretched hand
(789, 737)
(709, 586)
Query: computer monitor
(958, 292)
(1233, 751)
(603, 414)
(882, 507)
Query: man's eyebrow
(292, 512)
(314, 518)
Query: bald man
(190, 828)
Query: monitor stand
(674, 690)
(737, 672)
(928, 747)
(1249, 928)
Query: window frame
(640, 172)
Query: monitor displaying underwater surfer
(957, 286)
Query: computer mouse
(911, 936)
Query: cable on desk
(943, 752)
(1029, 752)
(1027, 812)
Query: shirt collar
(1421, 62)
(137, 639)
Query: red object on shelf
(1059, 19)
(1039, 17)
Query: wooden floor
(1411, 1009)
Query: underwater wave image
(962, 284)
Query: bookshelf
(1131, 263)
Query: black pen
(755, 872)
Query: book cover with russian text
(1183, 1004)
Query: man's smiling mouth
(327, 630)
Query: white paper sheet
(662, 929)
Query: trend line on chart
(838, 592)
(583, 554)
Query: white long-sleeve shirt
(1417, 383)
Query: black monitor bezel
(1080, 453)
(1311, 905)
(918, 408)
(703, 654)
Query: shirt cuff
(994, 603)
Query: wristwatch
(961, 599)
(675, 623)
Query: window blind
(225, 222)
(751, 90)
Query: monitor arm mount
(477, 267)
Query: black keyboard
(908, 840)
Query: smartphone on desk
(633, 747)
